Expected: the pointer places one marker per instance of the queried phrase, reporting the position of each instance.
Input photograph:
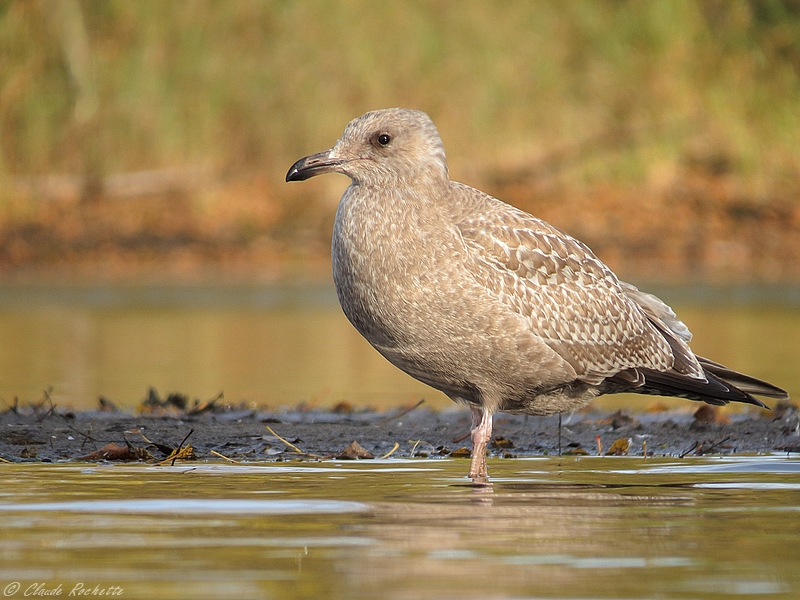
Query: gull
(496, 308)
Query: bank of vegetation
(153, 136)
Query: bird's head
(394, 146)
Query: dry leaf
(576, 452)
(462, 452)
(710, 414)
(619, 447)
(354, 451)
(201, 408)
(29, 452)
(113, 451)
(183, 453)
(342, 408)
(618, 419)
(502, 443)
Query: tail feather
(745, 383)
(714, 390)
(719, 386)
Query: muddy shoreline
(50, 435)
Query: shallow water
(701, 528)
(283, 345)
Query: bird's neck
(424, 192)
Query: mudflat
(50, 434)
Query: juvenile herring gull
(499, 310)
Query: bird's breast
(385, 256)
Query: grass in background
(583, 93)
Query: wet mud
(48, 434)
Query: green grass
(251, 86)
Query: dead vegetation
(171, 430)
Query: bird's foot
(480, 480)
(478, 471)
(481, 434)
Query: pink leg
(481, 433)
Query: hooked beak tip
(294, 174)
(308, 167)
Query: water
(276, 346)
(283, 345)
(703, 528)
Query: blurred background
(147, 236)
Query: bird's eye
(384, 139)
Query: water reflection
(194, 506)
(280, 346)
(297, 349)
(551, 528)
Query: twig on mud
(694, 447)
(50, 411)
(285, 441)
(700, 451)
(4, 460)
(401, 414)
(191, 431)
(215, 453)
(559, 434)
(417, 443)
(88, 436)
(204, 407)
(163, 448)
(12, 408)
(390, 452)
(180, 452)
(291, 445)
(714, 445)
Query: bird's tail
(744, 383)
(720, 386)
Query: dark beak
(316, 164)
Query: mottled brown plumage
(496, 308)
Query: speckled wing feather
(671, 327)
(574, 302)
